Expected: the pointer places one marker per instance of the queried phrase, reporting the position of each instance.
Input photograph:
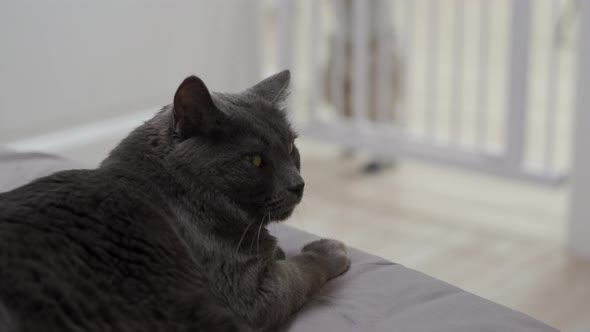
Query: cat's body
(71, 250)
(169, 233)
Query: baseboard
(83, 135)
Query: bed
(374, 295)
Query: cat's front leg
(279, 253)
(292, 282)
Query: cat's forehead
(256, 117)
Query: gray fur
(6, 320)
(274, 89)
(169, 233)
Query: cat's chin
(279, 216)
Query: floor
(498, 239)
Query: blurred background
(445, 135)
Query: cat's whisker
(254, 239)
(258, 237)
(244, 234)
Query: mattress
(374, 295)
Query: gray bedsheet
(374, 295)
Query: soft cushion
(377, 295)
(374, 295)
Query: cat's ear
(194, 110)
(273, 89)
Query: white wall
(66, 62)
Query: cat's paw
(333, 252)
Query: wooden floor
(496, 238)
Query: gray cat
(169, 233)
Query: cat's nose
(297, 188)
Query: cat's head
(240, 145)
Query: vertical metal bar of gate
(457, 91)
(431, 71)
(382, 70)
(579, 227)
(484, 68)
(340, 59)
(518, 85)
(552, 92)
(284, 37)
(405, 117)
(360, 82)
(314, 89)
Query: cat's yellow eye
(256, 160)
(290, 147)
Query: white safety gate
(481, 84)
